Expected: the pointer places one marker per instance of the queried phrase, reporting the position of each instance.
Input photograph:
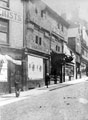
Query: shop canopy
(8, 58)
(60, 58)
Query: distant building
(78, 42)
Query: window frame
(7, 3)
(6, 32)
(38, 40)
(57, 48)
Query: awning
(71, 64)
(66, 50)
(17, 62)
(60, 58)
(8, 58)
(57, 58)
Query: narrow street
(66, 103)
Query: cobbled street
(66, 103)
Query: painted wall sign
(10, 15)
(35, 68)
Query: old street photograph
(43, 59)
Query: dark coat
(47, 79)
(17, 79)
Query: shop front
(62, 66)
(69, 71)
(58, 65)
(35, 65)
(8, 68)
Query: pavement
(10, 98)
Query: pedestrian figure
(55, 79)
(47, 79)
(17, 83)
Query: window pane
(58, 49)
(40, 40)
(36, 39)
(3, 26)
(3, 37)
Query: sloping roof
(53, 13)
(57, 16)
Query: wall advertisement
(35, 68)
(3, 68)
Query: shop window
(3, 31)
(4, 3)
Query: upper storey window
(4, 31)
(4, 3)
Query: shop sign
(35, 68)
(10, 15)
(3, 69)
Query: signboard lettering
(10, 15)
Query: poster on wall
(3, 68)
(35, 68)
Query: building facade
(36, 44)
(11, 42)
(32, 39)
(84, 52)
(45, 33)
(78, 43)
